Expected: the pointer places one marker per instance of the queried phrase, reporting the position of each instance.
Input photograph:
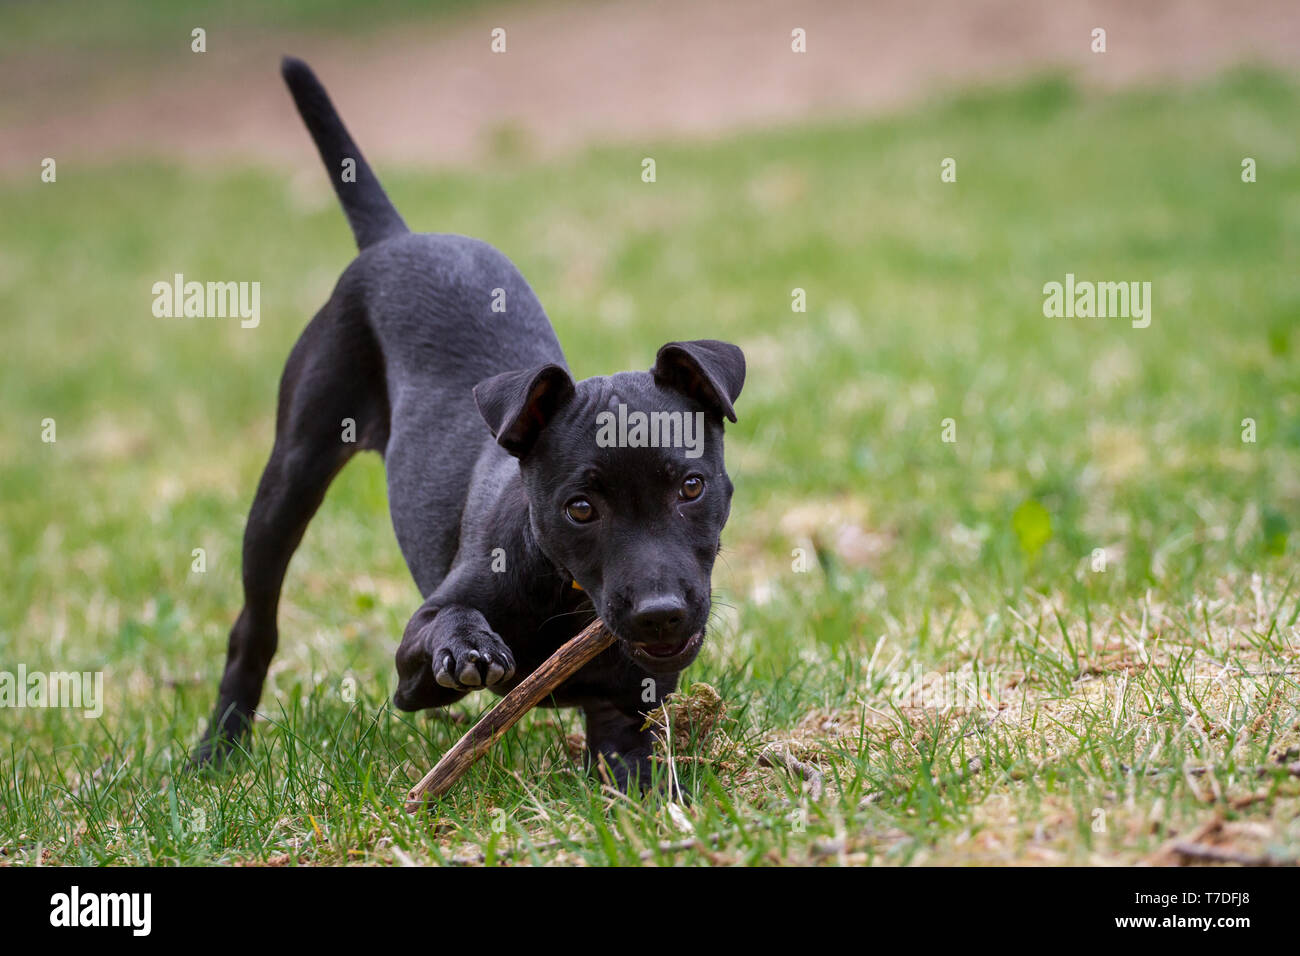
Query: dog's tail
(369, 210)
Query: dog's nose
(657, 617)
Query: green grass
(1108, 710)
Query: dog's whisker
(555, 617)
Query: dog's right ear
(518, 405)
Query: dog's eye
(692, 488)
(580, 510)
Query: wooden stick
(531, 691)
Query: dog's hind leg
(334, 373)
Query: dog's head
(626, 485)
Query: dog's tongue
(661, 650)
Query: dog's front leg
(617, 744)
(447, 651)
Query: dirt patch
(603, 72)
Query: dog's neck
(543, 574)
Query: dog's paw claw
(476, 660)
(468, 673)
(442, 662)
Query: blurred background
(118, 80)
(776, 170)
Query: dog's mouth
(665, 657)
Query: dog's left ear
(709, 371)
(518, 405)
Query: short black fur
(490, 449)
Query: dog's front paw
(446, 653)
(470, 658)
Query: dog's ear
(518, 405)
(708, 371)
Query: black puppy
(602, 497)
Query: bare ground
(611, 71)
